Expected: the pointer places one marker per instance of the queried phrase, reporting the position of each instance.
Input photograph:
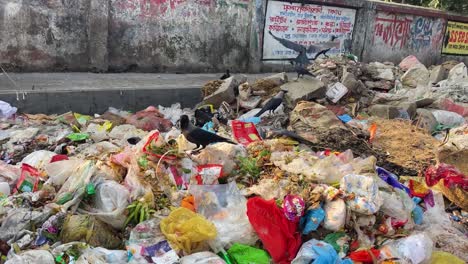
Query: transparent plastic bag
(416, 248)
(397, 205)
(110, 202)
(74, 187)
(202, 258)
(58, 172)
(32, 256)
(39, 159)
(225, 206)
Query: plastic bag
(101, 255)
(147, 240)
(447, 118)
(187, 230)
(9, 173)
(87, 228)
(339, 241)
(244, 133)
(110, 202)
(28, 180)
(59, 171)
(317, 252)
(243, 254)
(312, 219)
(98, 132)
(74, 187)
(416, 248)
(397, 205)
(32, 256)
(335, 214)
(451, 176)
(278, 234)
(19, 220)
(391, 179)
(367, 198)
(6, 110)
(224, 205)
(293, 207)
(202, 258)
(150, 119)
(440, 257)
(39, 159)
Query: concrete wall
(179, 35)
(192, 35)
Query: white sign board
(306, 25)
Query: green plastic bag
(243, 254)
(78, 136)
(339, 241)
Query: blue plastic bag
(311, 220)
(391, 179)
(318, 252)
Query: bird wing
(204, 138)
(289, 44)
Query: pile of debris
(362, 163)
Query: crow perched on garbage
(197, 135)
(273, 103)
(226, 75)
(301, 71)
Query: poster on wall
(456, 39)
(314, 27)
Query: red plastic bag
(279, 235)
(450, 174)
(365, 255)
(146, 148)
(245, 133)
(28, 180)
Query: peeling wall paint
(43, 35)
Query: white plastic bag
(335, 214)
(102, 256)
(39, 159)
(9, 173)
(224, 205)
(202, 258)
(397, 204)
(6, 110)
(110, 202)
(58, 172)
(32, 256)
(367, 198)
(74, 187)
(97, 132)
(416, 248)
(448, 118)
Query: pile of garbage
(363, 163)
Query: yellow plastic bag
(440, 257)
(186, 230)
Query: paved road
(41, 82)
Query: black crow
(225, 76)
(197, 135)
(301, 71)
(273, 103)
